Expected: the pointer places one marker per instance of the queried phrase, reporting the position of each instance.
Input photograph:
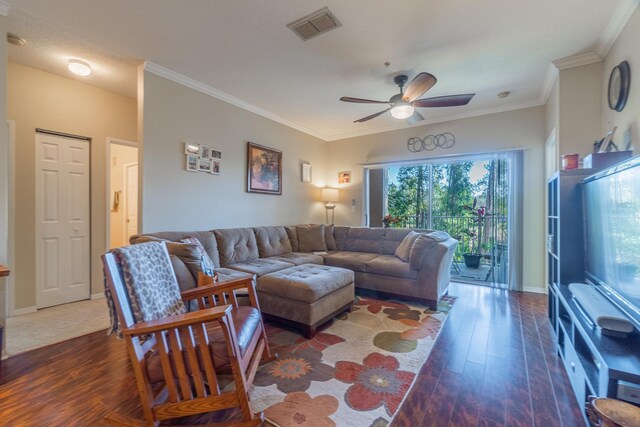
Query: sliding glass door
(467, 198)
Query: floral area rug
(356, 371)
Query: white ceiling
(243, 48)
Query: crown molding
(181, 79)
(441, 119)
(4, 8)
(577, 60)
(549, 81)
(615, 26)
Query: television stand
(597, 365)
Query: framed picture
(264, 169)
(306, 172)
(216, 154)
(193, 149)
(205, 152)
(192, 162)
(215, 167)
(204, 165)
(344, 177)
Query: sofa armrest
(425, 244)
(435, 267)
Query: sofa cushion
(423, 245)
(261, 266)
(236, 245)
(307, 283)
(299, 258)
(365, 240)
(328, 237)
(389, 265)
(185, 278)
(311, 238)
(404, 248)
(272, 241)
(206, 238)
(225, 274)
(340, 234)
(356, 261)
(293, 237)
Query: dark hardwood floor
(493, 365)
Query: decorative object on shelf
(619, 84)
(305, 172)
(431, 142)
(264, 169)
(390, 219)
(344, 177)
(570, 161)
(607, 144)
(192, 162)
(330, 195)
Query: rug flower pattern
(356, 370)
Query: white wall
(4, 171)
(625, 48)
(174, 199)
(513, 129)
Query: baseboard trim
(98, 295)
(25, 310)
(535, 289)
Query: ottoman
(305, 296)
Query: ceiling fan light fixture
(79, 68)
(402, 110)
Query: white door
(131, 200)
(62, 220)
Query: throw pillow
(404, 248)
(189, 253)
(293, 237)
(311, 238)
(328, 237)
(207, 259)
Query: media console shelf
(597, 364)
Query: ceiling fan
(403, 104)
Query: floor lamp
(330, 195)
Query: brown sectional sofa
(368, 252)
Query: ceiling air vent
(317, 23)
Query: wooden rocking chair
(176, 359)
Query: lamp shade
(329, 195)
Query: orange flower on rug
(376, 382)
(355, 372)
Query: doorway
(466, 197)
(63, 223)
(122, 192)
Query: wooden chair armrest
(218, 287)
(178, 320)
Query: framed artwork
(204, 165)
(215, 167)
(205, 152)
(344, 177)
(608, 144)
(216, 154)
(193, 149)
(264, 169)
(306, 172)
(192, 162)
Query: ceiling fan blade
(419, 85)
(373, 116)
(362, 101)
(444, 101)
(415, 118)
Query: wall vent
(312, 25)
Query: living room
(225, 76)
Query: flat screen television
(612, 234)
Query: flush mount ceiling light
(504, 94)
(79, 68)
(15, 39)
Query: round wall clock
(619, 83)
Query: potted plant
(472, 258)
(388, 220)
